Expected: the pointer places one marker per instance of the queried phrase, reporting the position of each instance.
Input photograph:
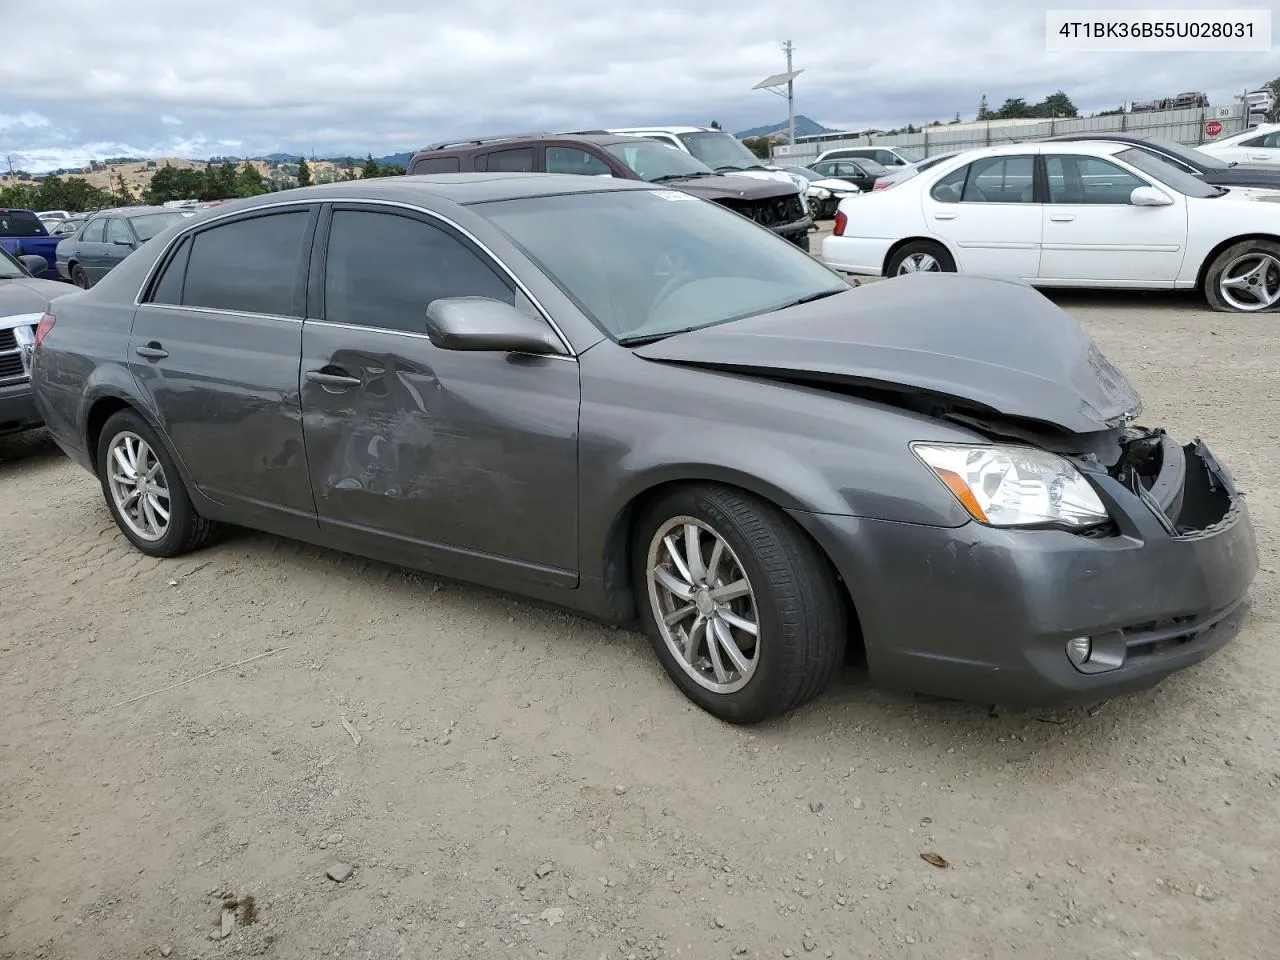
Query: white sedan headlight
(1014, 486)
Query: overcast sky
(249, 77)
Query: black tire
(79, 277)
(801, 620)
(920, 248)
(1248, 250)
(186, 529)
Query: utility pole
(791, 96)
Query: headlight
(1014, 486)
(821, 193)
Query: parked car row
(607, 394)
(107, 237)
(1068, 213)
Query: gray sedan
(633, 403)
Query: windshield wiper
(821, 295)
(670, 176)
(640, 341)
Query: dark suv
(771, 204)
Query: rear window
(20, 223)
(149, 224)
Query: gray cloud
(253, 76)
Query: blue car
(108, 237)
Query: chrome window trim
(223, 313)
(420, 336)
(398, 204)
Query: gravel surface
(425, 769)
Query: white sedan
(1260, 144)
(1069, 214)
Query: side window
(1000, 180)
(1269, 141)
(168, 288)
(438, 165)
(825, 168)
(519, 160)
(95, 231)
(849, 169)
(408, 262)
(118, 232)
(1076, 179)
(886, 159)
(573, 160)
(250, 266)
(951, 187)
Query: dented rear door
(447, 459)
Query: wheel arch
(899, 244)
(617, 546)
(1203, 270)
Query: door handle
(152, 351)
(1061, 217)
(334, 382)
(1259, 156)
(944, 216)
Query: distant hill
(804, 128)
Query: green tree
(17, 196)
(226, 180)
(1014, 108)
(1056, 105)
(984, 111)
(121, 195)
(758, 145)
(371, 168)
(249, 182)
(72, 194)
(715, 124)
(304, 172)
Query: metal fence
(1181, 126)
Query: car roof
(128, 212)
(599, 139)
(662, 129)
(459, 188)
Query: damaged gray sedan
(641, 406)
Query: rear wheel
(920, 256)
(1245, 278)
(79, 277)
(742, 608)
(144, 490)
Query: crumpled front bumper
(983, 614)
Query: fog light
(1079, 649)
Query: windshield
(20, 223)
(1195, 158)
(654, 161)
(1168, 174)
(720, 152)
(646, 263)
(9, 269)
(870, 166)
(148, 225)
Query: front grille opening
(1205, 500)
(11, 365)
(8, 340)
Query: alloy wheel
(139, 489)
(703, 604)
(1251, 283)
(920, 263)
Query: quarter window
(384, 270)
(573, 160)
(1078, 179)
(249, 266)
(438, 165)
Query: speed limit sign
(1212, 129)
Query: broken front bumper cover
(983, 614)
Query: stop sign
(1212, 128)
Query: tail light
(881, 185)
(43, 328)
(841, 222)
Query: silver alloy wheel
(703, 605)
(138, 486)
(920, 263)
(1256, 276)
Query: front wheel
(144, 490)
(919, 256)
(743, 610)
(1245, 278)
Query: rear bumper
(976, 613)
(17, 408)
(860, 255)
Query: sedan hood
(29, 295)
(730, 188)
(1268, 194)
(838, 185)
(984, 346)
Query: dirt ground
(528, 784)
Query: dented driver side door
(449, 460)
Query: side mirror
(35, 265)
(1149, 197)
(480, 323)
